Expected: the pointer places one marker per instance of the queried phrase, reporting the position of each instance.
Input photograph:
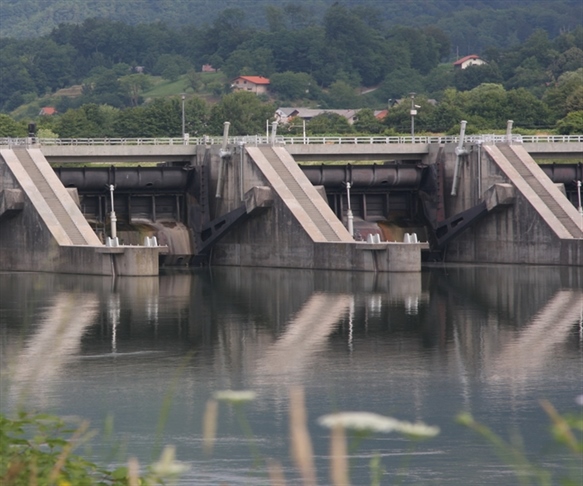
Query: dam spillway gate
(141, 193)
(176, 201)
(177, 193)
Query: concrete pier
(299, 230)
(43, 230)
(539, 226)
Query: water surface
(150, 352)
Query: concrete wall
(275, 238)
(27, 244)
(511, 234)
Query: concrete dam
(341, 206)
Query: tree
(473, 76)
(574, 101)
(439, 79)
(486, 106)
(244, 111)
(361, 48)
(441, 39)
(529, 74)
(14, 77)
(87, 121)
(171, 66)
(194, 79)
(569, 60)
(448, 113)
(104, 87)
(342, 96)
(196, 115)
(131, 123)
(572, 123)
(11, 128)
(290, 86)
(399, 117)
(424, 49)
(525, 109)
(328, 123)
(556, 96)
(366, 122)
(133, 86)
(246, 61)
(275, 18)
(401, 82)
(163, 118)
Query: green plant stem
(246, 428)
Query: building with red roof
(255, 84)
(47, 111)
(467, 61)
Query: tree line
(327, 65)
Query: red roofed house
(255, 84)
(471, 60)
(48, 111)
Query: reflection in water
(306, 334)
(52, 348)
(492, 340)
(527, 353)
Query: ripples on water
(489, 340)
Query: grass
(164, 87)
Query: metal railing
(281, 140)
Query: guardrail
(280, 140)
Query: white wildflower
(235, 396)
(418, 430)
(372, 422)
(168, 466)
(360, 421)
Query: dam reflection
(270, 328)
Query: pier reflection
(52, 347)
(248, 327)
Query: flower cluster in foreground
(372, 422)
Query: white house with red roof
(255, 84)
(467, 61)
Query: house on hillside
(255, 84)
(287, 114)
(47, 111)
(380, 114)
(208, 68)
(467, 61)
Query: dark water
(150, 352)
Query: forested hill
(471, 24)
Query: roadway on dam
(303, 149)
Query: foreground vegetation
(40, 449)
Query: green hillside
(370, 54)
(474, 22)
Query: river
(146, 354)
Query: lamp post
(183, 96)
(413, 112)
(580, 207)
(113, 218)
